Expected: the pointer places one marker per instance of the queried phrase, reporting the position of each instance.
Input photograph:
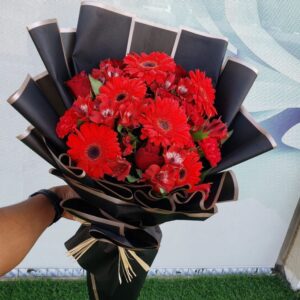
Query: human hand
(65, 192)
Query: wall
(244, 233)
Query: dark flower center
(93, 152)
(149, 64)
(182, 173)
(121, 97)
(164, 124)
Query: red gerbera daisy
(204, 93)
(190, 170)
(121, 89)
(164, 122)
(211, 150)
(149, 67)
(92, 148)
(108, 69)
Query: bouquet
(142, 121)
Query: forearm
(20, 226)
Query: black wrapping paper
(233, 86)
(48, 88)
(148, 37)
(47, 39)
(32, 139)
(195, 50)
(248, 140)
(107, 29)
(68, 38)
(31, 103)
(102, 261)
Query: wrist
(53, 203)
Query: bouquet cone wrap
(120, 236)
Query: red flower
(216, 129)
(190, 170)
(127, 147)
(108, 69)
(164, 122)
(148, 155)
(121, 89)
(185, 89)
(129, 113)
(93, 147)
(175, 155)
(180, 72)
(203, 93)
(83, 106)
(79, 85)
(120, 168)
(195, 118)
(105, 112)
(161, 178)
(67, 123)
(211, 150)
(149, 67)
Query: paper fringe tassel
(124, 256)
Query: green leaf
(96, 84)
(199, 135)
(132, 136)
(131, 179)
(119, 128)
(139, 172)
(163, 191)
(79, 123)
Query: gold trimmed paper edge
(68, 29)
(241, 62)
(263, 131)
(40, 23)
(16, 95)
(40, 75)
(106, 7)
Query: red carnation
(147, 156)
(149, 67)
(79, 85)
(121, 89)
(162, 178)
(92, 148)
(203, 93)
(165, 123)
(120, 168)
(211, 150)
(67, 123)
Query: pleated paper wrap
(120, 236)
